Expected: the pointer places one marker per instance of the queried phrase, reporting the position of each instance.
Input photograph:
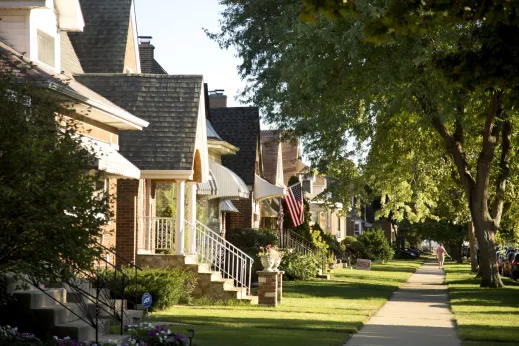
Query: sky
(182, 47)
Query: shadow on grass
(339, 289)
(265, 322)
(472, 305)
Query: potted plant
(270, 258)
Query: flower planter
(270, 263)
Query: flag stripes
(294, 202)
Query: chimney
(217, 99)
(146, 54)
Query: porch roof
(230, 185)
(226, 206)
(209, 188)
(265, 190)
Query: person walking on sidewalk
(440, 255)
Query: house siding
(14, 29)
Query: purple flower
(180, 337)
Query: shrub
(168, 286)
(299, 267)
(377, 246)
(355, 247)
(249, 241)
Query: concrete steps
(57, 313)
(210, 283)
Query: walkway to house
(417, 314)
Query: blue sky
(182, 47)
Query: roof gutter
(120, 114)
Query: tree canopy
(51, 214)
(431, 97)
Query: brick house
(34, 47)
(240, 126)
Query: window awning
(109, 160)
(209, 188)
(227, 207)
(267, 209)
(230, 185)
(265, 190)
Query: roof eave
(125, 118)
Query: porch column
(191, 218)
(179, 229)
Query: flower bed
(142, 334)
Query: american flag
(294, 201)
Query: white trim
(168, 174)
(133, 19)
(119, 114)
(201, 137)
(25, 4)
(70, 15)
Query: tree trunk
(487, 252)
(473, 251)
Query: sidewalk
(417, 314)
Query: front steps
(209, 283)
(33, 311)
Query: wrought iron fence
(158, 233)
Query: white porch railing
(158, 233)
(222, 256)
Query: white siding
(14, 29)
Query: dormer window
(46, 49)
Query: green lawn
(317, 312)
(484, 316)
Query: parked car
(515, 267)
(405, 254)
(506, 267)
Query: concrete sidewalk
(417, 314)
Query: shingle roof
(169, 103)
(69, 61)
(157, 69)
(18, 65)
(270, 148)
(239, 126)
(101, 47)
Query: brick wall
(146, 54)
(218, 101)
(243, 219)
(128, 207)
(109, 231)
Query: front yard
(316, 312)
(484, 316)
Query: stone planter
(270, 263)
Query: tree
(51, 214)
(428, 100)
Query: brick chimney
(146, 54)
(217, 99)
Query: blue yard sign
(146, 300)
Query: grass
(485, 316)
(317, 312)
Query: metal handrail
(222, 256)
(291, 239)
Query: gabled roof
(291, 156)
(101, 47)
(170, 103)
(95, 106)
(239, 126)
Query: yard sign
(364, 264)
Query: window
(358, 229)
(46, 49)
